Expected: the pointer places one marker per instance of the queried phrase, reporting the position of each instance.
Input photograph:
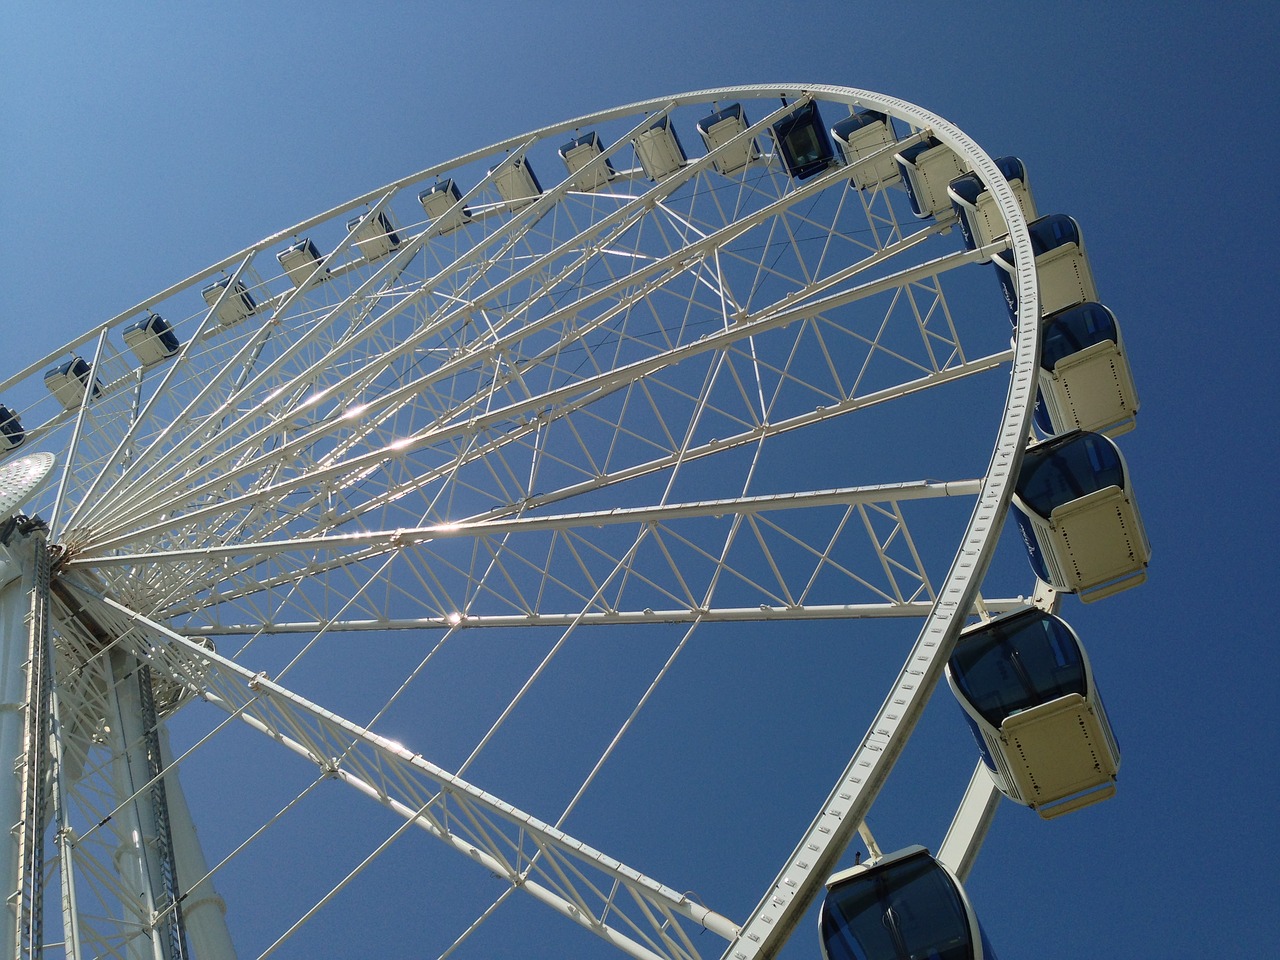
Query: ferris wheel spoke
(239, 370)
(786, 554)
(172, 375)
(365, 373)
(609, 381)
(786, 201)
(744, 332)
(602, 894)
(209, 425)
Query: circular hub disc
(20, 478)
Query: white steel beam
(642, 917)
(16, 581)
(806, 870)
(383, 540)
(679, 261)
(850, 611)
(972, 820)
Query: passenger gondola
(721, 127)
(11, 431)
(300, 261)
(517, 184)
(1062, 266)
(1026, 688)
(928, 167)
(659, 149)
(803, 143)
(581, 151)
(1085, 380)
(438, 199)
(235, 306)
(69, 380)
(904, 906)
(151, 339)
(374, 236)
(1078, 518)
(980, 219)
(861, 134)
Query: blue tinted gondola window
(161, 329)
(1056, 230)
(1043, 422)
(910, 153)
(1068, 468)
(912, 909)
(856, 121)
(969, 187)
(1073, 330)
(1017, 664)
(11, 431)
(984, 751)
(1011, 168)
(1028, 532)
(803, 142)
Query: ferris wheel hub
(21, 478)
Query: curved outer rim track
(800, 880)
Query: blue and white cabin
(1085, 379)
(904, 906)
(975, 206)
(151, 339)
(11, 432)
(439, 202)
(300, 261)
(1078, 517)
(1062, 267)
(232, 308)
(659, 150)
(721, 127)
(1026, 688)
(578, 155)
(803, 143)
(69, 380)
(374, 236)
(927, 168)
(517, 184)
(861, 134)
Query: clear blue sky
(142, 142)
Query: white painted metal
(959, 848)
(203, 909)
(1091, 390)
(19, 481)
(137, 858)
(14, 599)
(387, 772)
(294, 469)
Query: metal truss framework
(553, 411)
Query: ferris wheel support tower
(158, 859)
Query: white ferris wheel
(471, 502)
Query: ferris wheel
(477, 501)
